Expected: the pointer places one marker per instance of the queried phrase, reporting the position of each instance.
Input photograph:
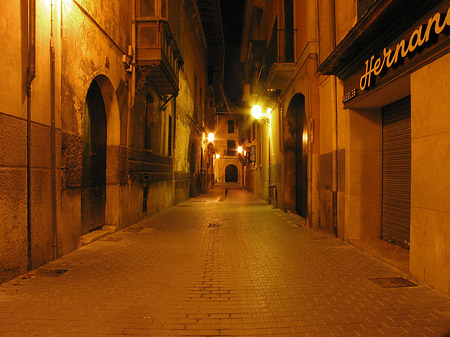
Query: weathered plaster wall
(190, 105)
(13, 161)
(88, 52)
(430, 181)
(336, 18)
(13, 139)
(305, 83)
(346, 17)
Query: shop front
(396, 101)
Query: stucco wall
(430, 180)
(89, 52)
(13, 140)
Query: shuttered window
(396, 202)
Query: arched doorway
(296, 156)
(231, 174)
(93, 192)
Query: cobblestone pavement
(216, 266)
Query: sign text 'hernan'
(389, 58)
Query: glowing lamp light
(217, 156)
(257, 112)
(211, 137)
(239, 149)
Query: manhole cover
(133, 229)
(111, 239)
(214, 225)
(50, 272)
(392, 282)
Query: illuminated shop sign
(390, 57)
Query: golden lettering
(378, 68)
(404, 47)
(438, 28)
(404, 51)
(387, 54)
(447, 18)
(415, 40)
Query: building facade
(394, 126)
(228, 149)
(280, 50)
(359, 103)
(102, 109)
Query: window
(230, 126)
(288, 31)
(231, 147)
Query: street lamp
(211, 137)
(257, 113)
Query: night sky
(232, 21)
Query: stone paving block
(235, 267)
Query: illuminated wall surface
(331, 129)
(103, 106)
(99, 127)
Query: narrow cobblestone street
(218, 266)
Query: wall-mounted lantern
(257, 113)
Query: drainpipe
(334, 133)
(31, 74)
(53, 135)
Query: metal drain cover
(392, 282)
(47, 272)
(111, 239)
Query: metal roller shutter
(396, 201)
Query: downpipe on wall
(335, 159)
(334, 132)
(31, 74)
(53, 135)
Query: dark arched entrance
(231, 174)
(93, 194)
(296, 159)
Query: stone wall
(430, 167)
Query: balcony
(279, 60)
(157, 56)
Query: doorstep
(385, 251)
(97, 234)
